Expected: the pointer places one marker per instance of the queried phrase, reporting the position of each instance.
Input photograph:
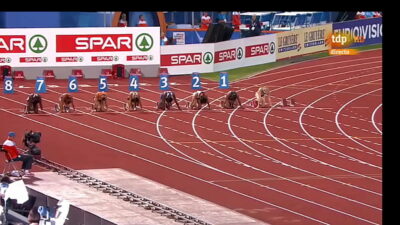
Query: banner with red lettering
(244, 52)
(47, 47)
(185, 59)
(213, 57)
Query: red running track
(319, 162)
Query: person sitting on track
(198, 99)
(100, 102)
(66, 101)
(13, 154)
(166, 99)
(133, 101)
(263, 97)
(32, 103)
(231, 100)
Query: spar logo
(208, 58)
(94, 43)
(260, 49)
(12, 44)
(185, 59)
(5, 60)
(225, 55)
(38, 43)
(144, 42)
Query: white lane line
(338, 124)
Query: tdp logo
(343, 40)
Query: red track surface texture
(317, 163)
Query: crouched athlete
(167, 98)
(198, 99)
(33, 102)
(65, 104)
(231, 101)
(100, 102)
(133, 101)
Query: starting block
(66, 108)
(253, 103)
(288, 102)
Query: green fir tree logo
(144, 42)
(38, 43)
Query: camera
(32, 136)
(30, 140)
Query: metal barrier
(120, 193)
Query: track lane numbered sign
(72, 84)
(196, 83)
(223, 80)
(164, 84)
(133, 83)
(103, 85)
(8, 85)
(40, 85)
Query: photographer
(12, 154)
(255, 27)
(30, 140)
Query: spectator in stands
(133, 101)
(12, 154)
(163, 39)
(255, 26)
(66, 101)
(123, 21)
(369, 14)
(198, 99)
(100, 102)
(377, 14)
(166, 100)
(231, 100)
(360, 15)
(236, 20)
(263, 97)
(142, 22)
(32, 103)
(205, 21)
(221, 18)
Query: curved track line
(323, 163)
(266, 115)
(313, 138)
(341, 130)
(278, 139)
(373, 118)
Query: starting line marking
(301, 178)
(271, 140)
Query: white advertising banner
(244, 52)
(185, 59)
(48, 47)
(213, 57)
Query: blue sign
(103, 85)
(133, 83)
(223, 80)
(8, 85)
(196, 83)
(72, 84)
(368, 29)
(40, 85)
(164, 82)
